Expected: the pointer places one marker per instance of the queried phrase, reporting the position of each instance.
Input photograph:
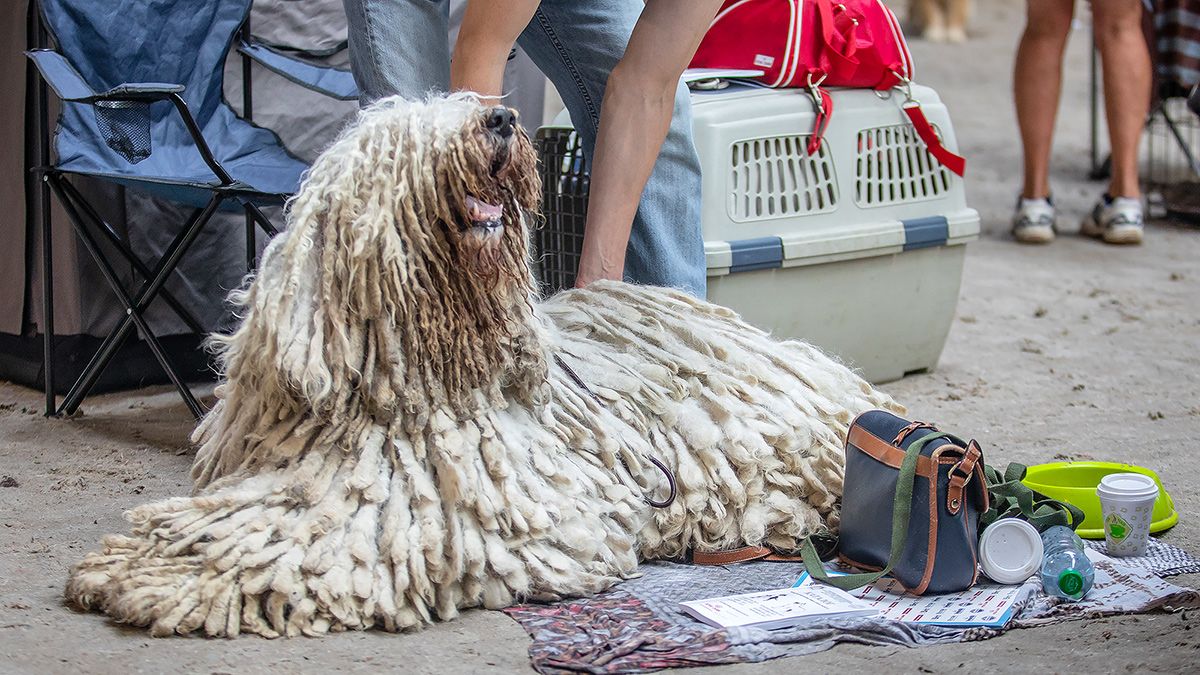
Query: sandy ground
(1073, 350)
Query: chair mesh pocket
(126, 128)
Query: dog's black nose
(501, 121)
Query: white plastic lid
(1010, 551)
(1133, 486)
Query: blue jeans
(402, 47)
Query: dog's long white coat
(311, 523)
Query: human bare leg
(1126, 61)
(1037, 84)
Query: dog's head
(403, 273)
(498, 159)
(485, 174)
(448, 176)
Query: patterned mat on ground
(637, 627)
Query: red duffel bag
(812, 44)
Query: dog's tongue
(482, 212)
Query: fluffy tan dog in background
(940, 20)
(405, 430)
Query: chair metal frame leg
(255, 216)
(135, 305)
(1098, 169)
(42, 120)
(110, 234)
(263, 221)
(1179, 139)
(114, 281)
(251, 242)
(47, 298)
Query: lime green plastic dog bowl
(1076, 482)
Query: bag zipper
(797, 24)
(898, 35)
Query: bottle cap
(1070, 582)
(1010, 551)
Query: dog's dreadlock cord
(674, 489)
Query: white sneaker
(1034, 221)
(1115, 220)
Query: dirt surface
(1074, 350)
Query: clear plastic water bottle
(1066, 570)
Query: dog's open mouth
(483, 216)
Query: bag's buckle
(964, 470)
(971, 459)
(956, 492)
(967, 474)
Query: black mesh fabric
(125, 126)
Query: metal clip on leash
(653, 460)
(822, 112)
(905, 85)
(814, 92)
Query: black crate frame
(558, 243)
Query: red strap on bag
(955, 163)
(838, 35)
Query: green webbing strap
(1010, 498)
(901, 513)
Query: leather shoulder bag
(911, 506)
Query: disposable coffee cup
(1127, 504)
(1010, 551)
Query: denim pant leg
(577, 43)
(399, 47)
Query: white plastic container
(857, 249)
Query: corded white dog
(405, 430)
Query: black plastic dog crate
(559, 241)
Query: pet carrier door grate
(775, 177)
(894, 167)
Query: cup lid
(1127, 486)
(1010, 551)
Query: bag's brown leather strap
(743, 554)
(887, 453)
(908, 430)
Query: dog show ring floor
(1074, 350)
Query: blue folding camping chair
(142, 107)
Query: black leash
(653, 460)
